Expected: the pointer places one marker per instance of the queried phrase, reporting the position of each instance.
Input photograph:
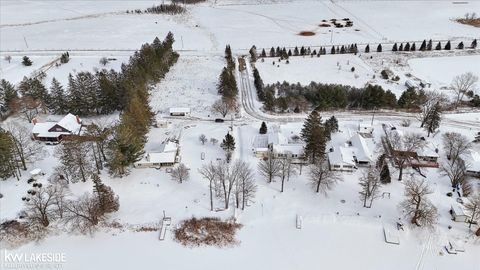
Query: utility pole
(373, 114)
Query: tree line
(227, 86)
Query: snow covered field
(337, 232)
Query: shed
(179, 111)
(458, 213)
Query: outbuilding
(458, 213)
(179, 111)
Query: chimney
(34, 121)
(78, 119)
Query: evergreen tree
(432, 122)
(474, 44)
(460, 45)
(269, 101)
(400, 48)
(26, 61)
(315, 137)
(264, 54)
(272, 52)
(35, 89)
(263, 128)
(8, 161)
(385, 176)
(58, 101)
(253, 54)
(331, 125)
(413, 47)
(8, 94)
(409, 99)
(333, 50)
(258, 82)
(407, 47)
(395, 47)
(296, 52)
(439, 46)
(228, 145)
(106, 198)
(429, 45)
(423, 47)
(229, 58)
(448, 46)
(379, 48)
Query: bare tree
(41, 206)
(203, 139)
(213, 141)
(8, 58)
(104, 61)
(209, 172)
(456, 171)
(27, 107)
(285, 170)
(416, 205)
(222, 107)
(76, 162)
(26, 149)
(455, 145)
(83, 215)
(427, 106)
(473, 209)
(227, 177)
(269, 167)
(180, 173)
(370, 184)
(322, 178)
(245, 186)
(462, 84)
(403, 147)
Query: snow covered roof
(341, 156)
(169, 146)
(164, 157)
(179, 110)
(277, 138)
(260, 141)
(472, 158)
(361, 149)
(71, 123)
(458, 209)
(42, 128)
(429, 150)
(36, 171)
(296, 149)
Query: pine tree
(258, 83)
(385, 176)
(432, 122)
(26, 61)
(269, 101)
(400, 48)
(106, 198)
(379, 48)
(367, 49)
(423, 47)
(474, 44)
(331, 125)
(413, 47)
(263, 128)
(58, 101)
(460, 45)
(253, 54)
(228, 145)
(439, 46)
(448, 46)
(407, 47)
(395, 47)
(272, 52)
(8, 161)
(315, 137)
(333, 50)
(264, 54)
(429, 45)
(8, 94)
(296, 52)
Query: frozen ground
(334, 235)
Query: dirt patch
(472, 22)
(207, 232)
(306, 33)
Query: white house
(472, 159)
(167, 156)
(55, 131)
(458, 213)
(346, 155)
(276, 142)
(179, 111)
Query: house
(458, 213)
(472, 159)
(341, 159)
(179, 111)
(352, 153)
(55, 131)
(167, 156)
(279, 145)
(428, 153)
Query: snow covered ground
(335, 234)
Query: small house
(167, 156)
(472, 159)
(56, 131)
(179, 111)
(458, 213)
(341, 159)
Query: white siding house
(179, 111)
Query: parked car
(219, 120)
